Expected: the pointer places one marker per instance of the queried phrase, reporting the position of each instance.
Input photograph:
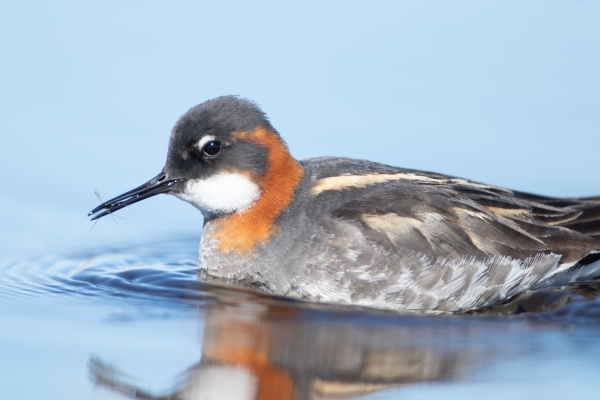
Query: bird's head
(223, 155)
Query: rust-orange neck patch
(241, 232)
(248, 344)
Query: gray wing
(437, 215)
(453, 220)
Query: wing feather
(454, 219)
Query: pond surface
(134, 322)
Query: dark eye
(212, 148)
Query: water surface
(134, 322)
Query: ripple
(167, 272)
(164, 270)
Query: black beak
(158, 184)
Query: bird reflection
(258, 348)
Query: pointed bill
(158, 184)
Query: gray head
(205, 140)
(219, 154)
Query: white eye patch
(204, 140)
(225, 192)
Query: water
(118, 323)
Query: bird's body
(356, 232)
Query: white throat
(225, 192)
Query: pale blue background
(502, 92)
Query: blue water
(116, 323)
(505, 93)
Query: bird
(349, 231)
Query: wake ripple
(166, 271)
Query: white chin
(220, 194)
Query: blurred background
(506, 93)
